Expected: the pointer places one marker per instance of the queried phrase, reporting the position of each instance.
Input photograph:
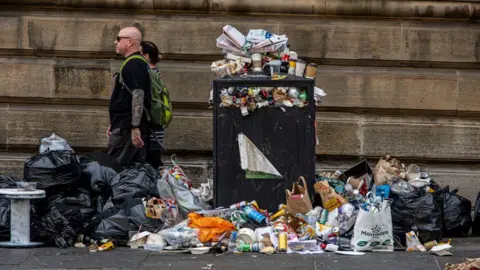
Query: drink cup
(257, 62)
(300, 68)
(311, 71)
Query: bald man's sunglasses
(120, 38)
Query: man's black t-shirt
(135, 76)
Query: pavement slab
(82, 259)
(13, 256)
(377, 260)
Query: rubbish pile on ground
(353, 211)
(261, 54)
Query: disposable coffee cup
(300, 68)
(311, 71)
(257, 62)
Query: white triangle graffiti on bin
(254, 162)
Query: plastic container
(200, 250)
(153, 247)
(26, 186)
(275, 68)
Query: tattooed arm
(137, 106)
(137, 110)
(135, 75)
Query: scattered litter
(208, 267)
(413, 244)
(353, 253)
(200, 250)
(153, 247)
(469, 264)
(80, 245)
(442, 250)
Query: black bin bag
(139, 181)
(415, 209)
(53, 228)
(52, 170)
(121, 219)
(100, 178)
(77, 207)
(457, 219)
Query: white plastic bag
(175, 185)
(54, 143)
(373, 230)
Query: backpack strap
(135, 56)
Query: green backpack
(161, 106)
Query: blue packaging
(254, 214)
(383, 191)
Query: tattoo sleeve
(137, 106)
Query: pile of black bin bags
(83, 198)
(434, 215)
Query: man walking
(128, 130)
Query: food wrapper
(468, 264)
(330, 199)
(234, 36)
(305, 232)
(413, 243)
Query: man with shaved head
(128, 130)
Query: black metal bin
(286, 137)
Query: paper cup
(300, 68)
(311, 71)
(257, 62)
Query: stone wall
(401, 76)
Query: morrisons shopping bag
(373, 229)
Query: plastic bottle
(324, 217)
(232, 247)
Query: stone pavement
(124, 258)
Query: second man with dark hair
(154, 151)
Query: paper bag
(387, 167)
(298, 200)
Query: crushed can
(255, 215)
(282, 242)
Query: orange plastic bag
(209, 227)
